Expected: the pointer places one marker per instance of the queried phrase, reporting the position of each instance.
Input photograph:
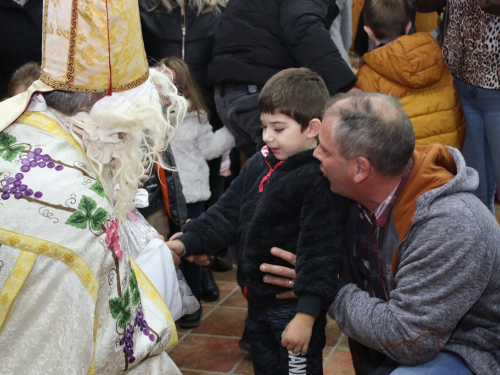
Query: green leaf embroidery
(98, 218)
(78, 219)
(8, 151)
(124, 318)
(87, 205)
(136, 296)
(126, 314)
(89, 212)
(115, 306)
(98, 189)
(120, 308)
(126, 299)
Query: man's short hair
(375, 126)
(298, 93)
(70, 103)
(386, 18)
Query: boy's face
(283, 135)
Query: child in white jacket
(194, 143)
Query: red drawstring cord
(268, 175)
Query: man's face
(334, 167)
(283, 135)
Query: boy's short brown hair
(386, 18)
(298, 93)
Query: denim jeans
(237, 108)
(443, 364)
(481, 149)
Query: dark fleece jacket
(295, 211)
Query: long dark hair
(186, 85)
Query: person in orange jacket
(411, 68)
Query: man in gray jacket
(420, 286)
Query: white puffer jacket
(193, 144)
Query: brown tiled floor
(212, 348)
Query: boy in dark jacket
(281, 199)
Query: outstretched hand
(285, 276)
(177, 247)
(202, 260)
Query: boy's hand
(297, 334)
(202, 260)
(176, 246)
(175, 235)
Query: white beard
(122, 145)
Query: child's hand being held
(176, 246)
(297, 334)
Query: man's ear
(370, 33)
(362, 169)
(408, 27)
(313, 128)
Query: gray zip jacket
(442, 266)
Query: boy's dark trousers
(265, 326)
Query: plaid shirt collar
(381, 214)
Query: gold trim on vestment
(96, 325)
(151, 291)
(14, 283)
(55, 251)
(43, 122)
(70, 70)
(66, 87)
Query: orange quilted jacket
(412, 68)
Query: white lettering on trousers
(296, 364)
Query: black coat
(20, 37)
(296, 211)
(162, 35)
(258, 38)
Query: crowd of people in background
(415, 114)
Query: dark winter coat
(296, 211)
(162, 35)
(175, 202)
(20, 37)
(258, 38)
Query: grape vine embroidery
(35, 159)
(14, 187)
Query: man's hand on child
(297, 334)
(285, 275)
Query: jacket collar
(296, 159)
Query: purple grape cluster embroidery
(14, 186)
(128, 338)
(35, 159)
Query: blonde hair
(186, 85)
(200, 6)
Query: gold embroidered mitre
(93, 45)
